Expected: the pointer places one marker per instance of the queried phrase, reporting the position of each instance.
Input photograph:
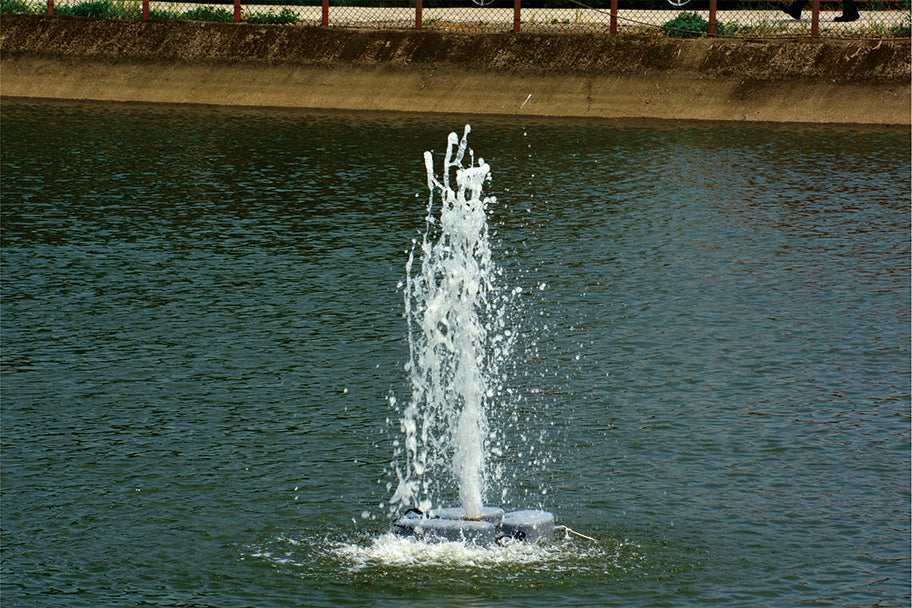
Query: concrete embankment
(580, 75)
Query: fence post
(418, 9)
(145, 10)
(237, 11)
(517, 16)
(50, 10)
(613, 28)
(712, 18)
(324, 21)
(815, 19)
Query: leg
(849, 12)
(794, 9)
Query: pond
(202, 329)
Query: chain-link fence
(739, 18)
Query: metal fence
(720, 18)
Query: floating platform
(494, 526)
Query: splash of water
(387, 553)
(391, 550)
(454, 321)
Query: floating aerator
(450, 524)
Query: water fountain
(457, 339)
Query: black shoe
(791, 10)
(846, 18)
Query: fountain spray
(453, 320)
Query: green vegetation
(208, 13)
(100, 9)
(287, 16)
(764, 29)
(17, 7)
(155, 13)
(132, 9)
(686, 25)
(903, 30)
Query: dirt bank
(866, 81)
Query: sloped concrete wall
(827, 81)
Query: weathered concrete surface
(864, 81)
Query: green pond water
(202, 325)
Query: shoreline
(557, 75)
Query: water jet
(457, 340)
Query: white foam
(393, 550)
(388, 552)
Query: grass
(285, 17)
(132, 9)
(208, 13)
(101, 9)
(18, 7)
(766, 29)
